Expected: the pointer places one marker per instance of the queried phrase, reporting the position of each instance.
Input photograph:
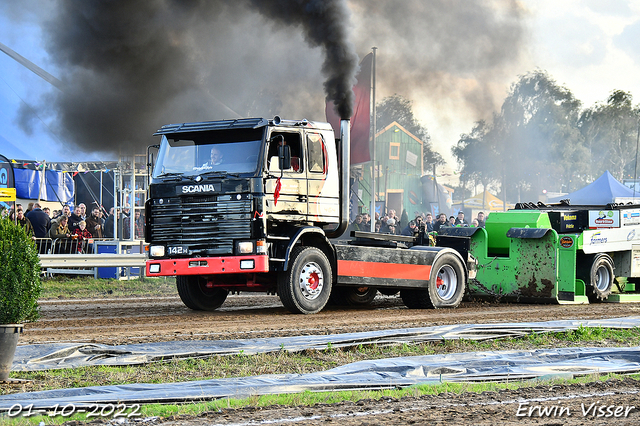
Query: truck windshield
(189, 157)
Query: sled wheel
(601, 278)
(196, 295)
(306, 286)
(445, 288)
(353, 296)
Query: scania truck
(262, 205)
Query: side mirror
(284, 157)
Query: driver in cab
(215, 159)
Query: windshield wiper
(175, 175)
(219, 173)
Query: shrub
(20, 284)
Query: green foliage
(555, 145)
(20, 284)
(611, 135)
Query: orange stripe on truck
(354, 268)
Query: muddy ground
(133, 320)
(608, 403)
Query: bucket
(9, 334)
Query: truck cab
(227, 198)
(259, 205)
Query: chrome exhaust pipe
(345, 158)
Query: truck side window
(317, 153)
(295, 144)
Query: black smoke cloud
(445, 51)
(130, 67)
(325, 23)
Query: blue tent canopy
(9, 150)
(601, 191)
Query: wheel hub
(311, 280)
(446, 282)
(602, 278)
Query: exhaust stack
(345, 156)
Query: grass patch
(63, 287)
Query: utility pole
(373, 135)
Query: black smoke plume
(326, 24)
(131, 67)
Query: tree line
(541, 139)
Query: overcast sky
(590, 46)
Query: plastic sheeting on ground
(73, 355)
(373, 374)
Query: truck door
(290, 202)
(323, 194)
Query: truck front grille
(204, 224)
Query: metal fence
(100, 258)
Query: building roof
(395, 123)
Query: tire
(445, 288)
(353, 296)
(388, 291)
(306, 286)
(196, 295)
(599, 281)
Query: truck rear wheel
(306, 286)
(600, 278)
(353, 296)
(196, 295)
(445, 288)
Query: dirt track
(131, 320)
(117, 321)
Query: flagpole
(373, 160)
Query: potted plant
(20, 288)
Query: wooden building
(399, 168)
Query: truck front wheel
(306, 286)
(196, 295)
(445, 287)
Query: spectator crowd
(77, 225)
(390, 223)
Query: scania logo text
(188, 189)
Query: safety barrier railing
(101, 258)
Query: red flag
(361, 120)
(276, 193)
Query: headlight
(245, 247)
(156, 251)
(261, 247)
(154, 268)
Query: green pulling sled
(554, 254)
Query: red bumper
(207, 265)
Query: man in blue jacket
(40, 221)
